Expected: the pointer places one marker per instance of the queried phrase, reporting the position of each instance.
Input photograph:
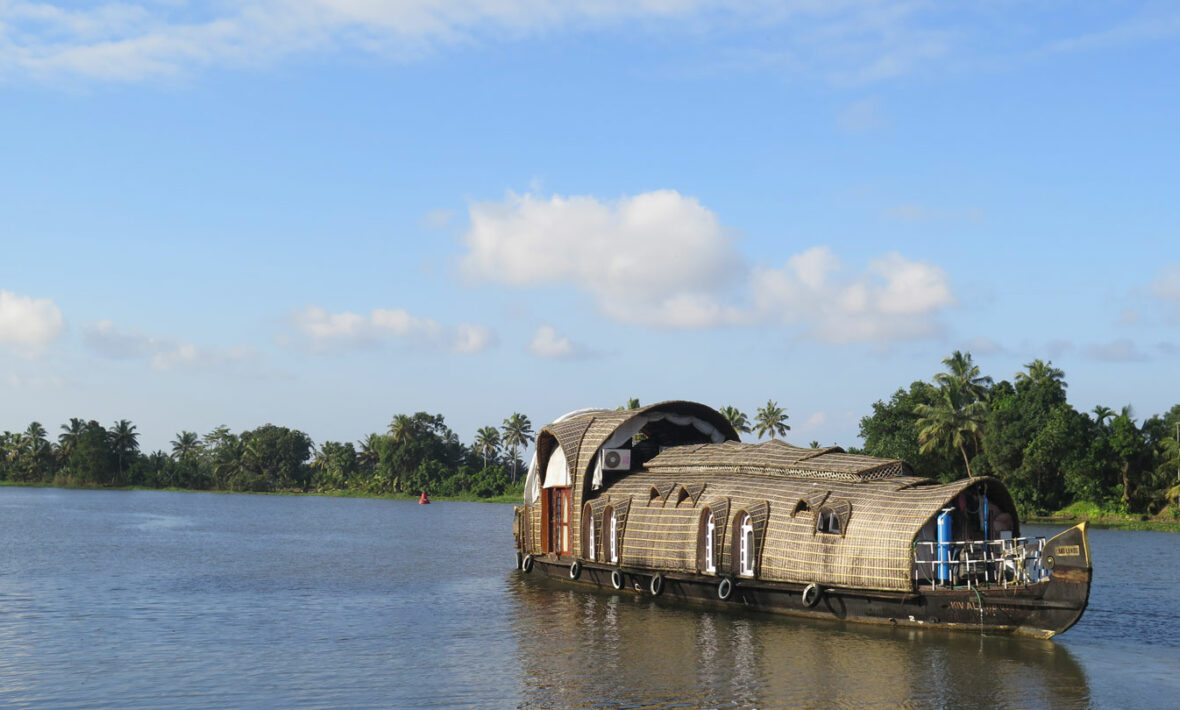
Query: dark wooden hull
(1040, 610)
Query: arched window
(827, 522)
(591, 543)
(589, 533)
(708, 536)
(612, 536)
(746, 550)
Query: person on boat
(423, 499)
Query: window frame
(746, 544)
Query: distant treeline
(1025, 433)
(962, 423)
(417, 453)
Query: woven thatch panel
(776, 458)
(661, 538)
(658, 494)
(693, 492)
(816, 498)
(530, 521)
(874, 552)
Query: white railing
(989, 563)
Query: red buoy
(423, 500)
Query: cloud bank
(661, 259)
(323, 330)
(162, 353)
(841, 41)
(28, 325)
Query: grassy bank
(1168, 520)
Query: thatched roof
(777, 458)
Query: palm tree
(632, 403)
(736, 419)
(124, 442)
(964, 374)
(68, 440)
(367, 457)
(487, 442)
(518, 431)
(1039, 371)
(772, 420)
(1102, 413)
(402, 428)
(186, 445)
(949, 423)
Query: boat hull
(1041, 610)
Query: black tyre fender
(616, 578)
(725, 589)
(575, 569)
(526, 563)
(811, 595)
(657, 585)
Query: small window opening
(827, 522)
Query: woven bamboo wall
(874, 551)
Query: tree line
(417, 452)
(961, 423)
(1028, 435)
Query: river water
(116, 599)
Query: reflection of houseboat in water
(665, 500)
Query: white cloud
(128, 41)
(896, 299)
(816, 420)
(28, 325)
(658, 258)
(324, 330)
(162, 353)
(661, 259)
(470, 338)
(548, 344)
(841, 40)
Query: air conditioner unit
(616, 459)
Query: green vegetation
(1107, 467)
(1060, 464)
(417, 453)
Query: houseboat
(666, 501)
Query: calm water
(153, 599)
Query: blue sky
(321, 213)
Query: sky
(322, 213)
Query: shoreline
(1109, 523)
(501, 499)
